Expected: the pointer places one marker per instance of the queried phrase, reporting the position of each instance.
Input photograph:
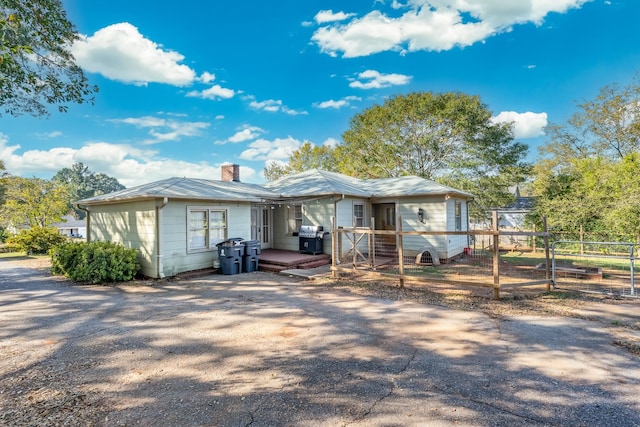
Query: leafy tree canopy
(607, 126)
(81, 183)
(589, 175)
(36, 66)
(446, 137)
(33, 202)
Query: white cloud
(344, 102)
(53, 134)
(325, 16)
(272, 106)
(526, 125)
(214, 92)
(207, 77)
(333, 104)
(433, 25)
(278, 149)
(246, 133)
(120, 52)
(372, 79)
(131, 166)
(161, 129)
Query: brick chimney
(231, 172)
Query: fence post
(546, 253)
(632, 251)
(372, 243)
(400, 250)
(496, 256)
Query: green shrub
(4, 235)
(36, 240)
(94, 262)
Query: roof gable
(317, 182)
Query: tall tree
(3, 173)
(446, 137)
(34, 202)
(36, 66)
(607, 126)
(308, 156)
(589, 171)
(81, 183)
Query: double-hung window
(294, 220)
(207, 227)
(458, 215)
(358, 214)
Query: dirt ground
(267, 350)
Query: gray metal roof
(322, 183)
(69, 221)
(188, 188)
(411, 186)
(312, 183)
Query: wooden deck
(276, 260)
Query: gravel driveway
(264, 350)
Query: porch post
(400, 250)
(334, 247)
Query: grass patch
(15, 255)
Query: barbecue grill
(310, 237)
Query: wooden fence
(383, 252)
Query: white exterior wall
(175, 256)
(131, 224)
(344, 218)
(315, 212)
(456, 244)
(435, 219)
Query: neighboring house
(71, 227)
(513, 216)
(176, 223)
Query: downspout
(86, 210)
(334, 239)
(159, 265)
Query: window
(358, 214)
(206, 228)
(294, 220)
(458, 213)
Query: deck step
(272, 268)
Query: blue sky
(187, 86)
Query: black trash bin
(230, 254)
(251, 255)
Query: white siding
(134, 225)
(456, 244)
(175, 257)
(435, 219)
(131, 224)
(344, 218)
(315, 212)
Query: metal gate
(600, 267)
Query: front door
(385, 217)
(261, 226)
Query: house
(513, 216)
(71, 227)
(176, 223)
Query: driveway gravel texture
(260, 349)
